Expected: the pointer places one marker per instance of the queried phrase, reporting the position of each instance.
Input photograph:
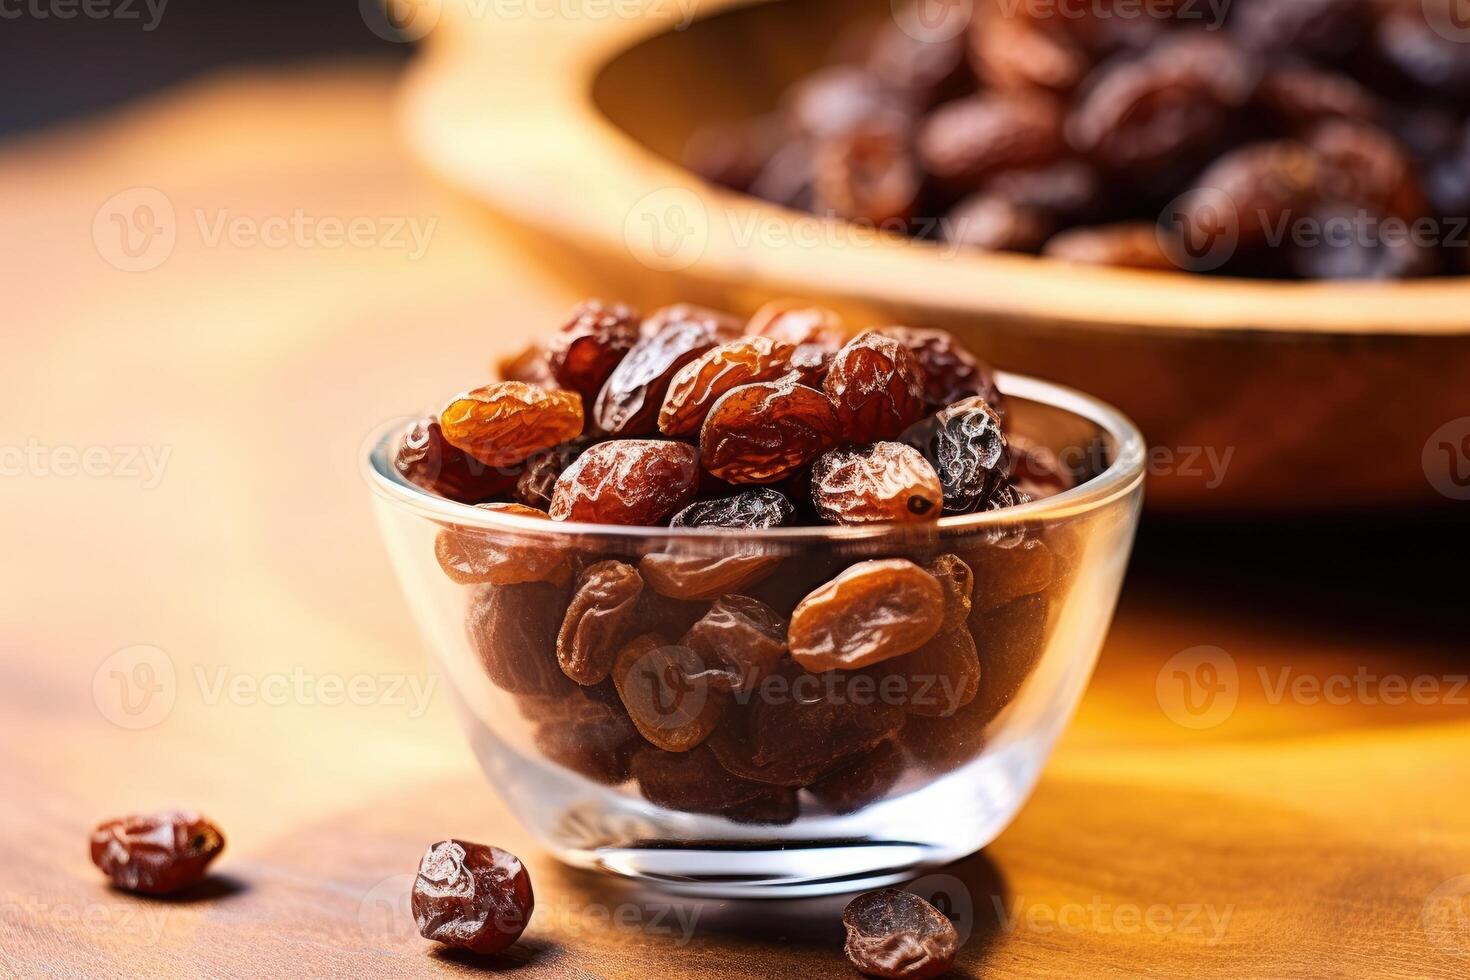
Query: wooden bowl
(1256, 396)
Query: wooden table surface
(180, 494)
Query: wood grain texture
(1315, 834)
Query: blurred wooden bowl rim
(503, 109)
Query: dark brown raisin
(861, 781)
(880, 483)
(1298, 95)
(876, 386)
(836, 99)
(764, 432)
(1069, 190)
(589, 346)
(951, 372)
(662, 687)
(537, 480)
(1425, 43)
(968, 449)
(874, 610)
(739, 641)
(958, 582)
(156, 853)
(629, 402)
(603, 609)
(528, 365)
(426, 459)
(472, 896)
(775, 806)
(589, 737)
(732, 154)
(992, 222)
(935, 680)
(1036, 469)
(503, 423)
(1246, 194)
(1365, 166)
(896, 934)
(1010, 641)
(1322, 29)
(757, 509)
(693, 781)
(963, 142)
(1128, 244)
(700, 383)
(867, 173)
(706, 577)
(923, 67)
(628, 481)
(513, 628)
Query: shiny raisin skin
(157, 853)
(703, 381)
(872, 611)
(896, 934)
(470, 556)
(764, 432)
(740, 640)
(867, 174)
(966, 141)
(797, 324)
(602, 611)
(472, 896)
(663, 688)
(633, 394)
(426, 459)
(886, 482)
(537, 480)
(876, 386)
(589, 346)
(529, 364)
(951, 372)
(968, 450)
(503, 423)
(706, 577)
(939, 678)
(758, 509)
(958, 581)
(628, 481)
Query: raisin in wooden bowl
(1243, 385)
(759, 659)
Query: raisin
(951, 373)
(503, 423)
(757, 509)
(861, 781)
(674, 707)
(602, 610)
(877, 387)
(1298, 95)
(698, 577)
(958, 583)
(1425, 43)
(732, 154)
(471, 896)
(589, 346)
(629, 402)
(1010, 641)
(630, 481)
(1245, 193)
(786, 179)
(834, 100)
(1069, 190)
(739, 641)
(1141, 116)
(1004, 573)
(1324, 29)
(1355, 256)
(1365, 166)
(892, 933)
(937, 679)
(884, 482)
(514, 628)
(156, 853)
(537, 480)
(798, 727)
(872, 611)
(1128, 244)
(967, 446)
(426, 459)
(1036, 469)
(775, 806)
(810, 363)
(693, 781)
(529, 365)
(589, 737)
(764, 432)
(867, 173)
(941, 743)
(992, 222)
(471, 556)
(797, 323)
(658, 613)
(1017, 54)
(922, 67)
(961, 143)
(701, 382)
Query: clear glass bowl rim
(1119, 479)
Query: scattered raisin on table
(896, 934)
(877, 387)
(628, 481)
(584, 352)
(156, 853)
(870, 612)
(503, 423)
(764, 432)
(883, 482)
(471, 896)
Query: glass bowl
(708, 762)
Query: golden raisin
(601, 612)
(884, 482)
(503, 423)
(673, 705)
(630, 481)
(471, 556)
(701, 382)
(797, 323)
(872, 611)
(764, 432)
(876, 386)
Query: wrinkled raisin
(471, 896)
(705, 577)
(764, 432)
(758, 509)
(958, 582)
(674, 707)
(1010, 641)
(629, 402)
(876, 386)
(529, 365)
(1298, 95)
(990, 221)
(862, 781)
(1245, 193)
(426, 459)
(775, 806)
(1365, 166)
(867, 173)
(589, 737)
(156, 853)
(896, 934)
(700, 383)
(963, 142)
(589, 346)
(503, 423)
(937, 679)
(603, 609)
(471, 556)
(872, 611)
(1009, 571)
(739, 641)
(884, 482)
(968, 449)
(951, 372)
(1036, 469)
(1128, 244)
(513, 628)
(537, 480)
(630, 481)
(692, 782)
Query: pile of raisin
(1307, 139)
(737, 678)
